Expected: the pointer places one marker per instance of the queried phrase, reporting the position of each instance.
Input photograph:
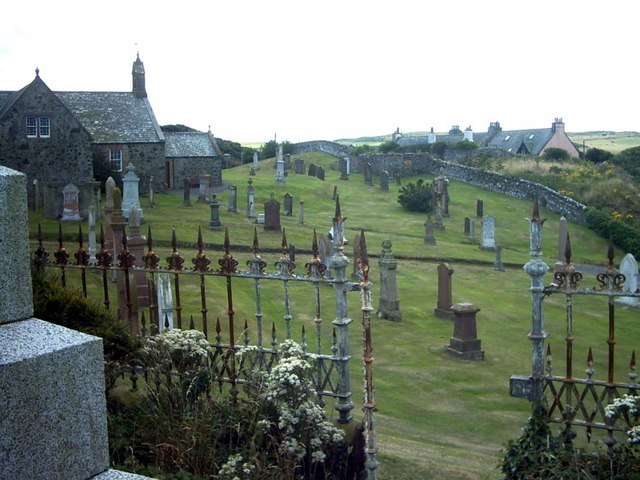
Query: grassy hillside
(437, 416)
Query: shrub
(465, 145)
(623, 235)
(438, 148)
(554, 153)
(597, 155)
(269, 149)
(416, 197)
(388, 147)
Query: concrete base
(476, 355)
(446, 314)
(118, 475)
(54, 421)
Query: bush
(597, 155)
(623, 235)
(388, 147)
(269, 149)
(465, 145)
(417, 197)
(438, 148)
(553, 153)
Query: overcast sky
(306, 70)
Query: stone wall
(325, 146)
(194, 167)
(411, 164)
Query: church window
(115, 158)
(38, 127)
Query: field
(437, 416)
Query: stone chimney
(137, 72)
(468, 134)
(494, 129)
(432, 136)
(557, 125)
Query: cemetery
(451, 334)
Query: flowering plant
(627, 408)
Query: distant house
(525, 142)
(53, 138)
(190, 154)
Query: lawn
(437, 416)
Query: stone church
(53, 137)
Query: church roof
(190, 144)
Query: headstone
(205, 188)
(260, 219)
(467, 222)
(429, 238)
(70, 203)
(465, 343)
(250, 200)
(368, 177)
(151, 199)
(252, 172)
(479, 208)
(186, 193)
(312, 170)
(384, 181)
(443, 306)
(280, 177)
(323, 249)
(214, 223)
(272, 215)
(300, 212)
(497, 265)
(356, 255)
(629, 268)
(472, 231)
(320, 173)
(288, 205)
(165, 302)
(92, 235)
(233, 199)
(256, 165)
(299, 166)
(389, 306)
(287, 162)
(445, 204)
(130, 192)
(440, 185)
(438, 224)
(344, 168)
(562, 241)
(488, 241)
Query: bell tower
(137, 72)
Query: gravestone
(272, 215)
(355, 274)
(70, 203)
(467, 221)
(429, 238)
(92, 235)
(472, 231)
(130, 193)
(445, 204)
(312, 170)
(280, 175)
(344, 168)
(323, 249)
(443, 305)
(497, 265)
(488, 241)
(629, 268)
(205, 190)
(479, 208)
(300, 212)
(299, 166)
(562, 241)
(214, 223)
(256, 165)
(232, 206)
(320, 173)
(384, 181)
(250, 200)
(288, 205)
(165, 302)
(438, 224)
(186, 193)
(389, 306)
(465, 343)
(287, 162)
(368, 176)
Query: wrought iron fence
(569, 399)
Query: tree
(597, 155)
(417, 197)
(554, 153)
(269, 149)
(629, 161)
(438, 148)
(389, 146)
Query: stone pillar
(443, 308)
(54, 422)
(233, 199)
(389, 306)
(251, 191)
(465, 343)
(479, 208)
(130, 193)
(215, 224)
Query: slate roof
(190, 144)
(114, 117)
(512, 141)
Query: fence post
(536, 269)
(339, 263)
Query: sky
(255, 70)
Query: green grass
(437, 416)
(613, 142)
